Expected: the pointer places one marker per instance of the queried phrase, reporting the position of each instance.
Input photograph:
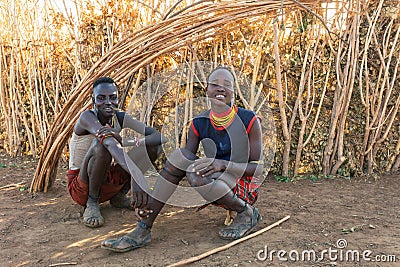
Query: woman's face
(220, 86)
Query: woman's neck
(223, 119)
(219, 109)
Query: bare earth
(45, 229)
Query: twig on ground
(20, 184)
(63, 264)
(216, 250)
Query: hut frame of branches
(330, 78)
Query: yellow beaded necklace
(223, 121)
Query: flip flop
(241, 230)
(111, 244)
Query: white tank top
(78, 146)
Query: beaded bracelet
(104, 137)
(143, 225)
(137, 141)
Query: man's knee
(99, 151)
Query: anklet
(143, 225)
(244, 208)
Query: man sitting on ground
(98, 166)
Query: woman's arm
(192, 142)
(208, 166)
(255, 165)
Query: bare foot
(92, 216)
(139, 237)
(242, 225)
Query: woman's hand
(207, 166)
(140, 201)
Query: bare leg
(143, 157)
(93, 172)
(169, 179)
(219, 192)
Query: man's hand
(107, 130)
(207, 166)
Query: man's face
(106, 98)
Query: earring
(208, 103)
(233, 100)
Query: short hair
(221, 67)
(103, 80)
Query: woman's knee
(195, 180)
(181, 159)
(173, 169)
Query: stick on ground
(20, 184)
(216, 250)
(62, 264)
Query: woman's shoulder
(245, 112)
(203, 115)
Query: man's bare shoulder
(83, 120)
(87, 113)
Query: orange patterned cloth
(79, 190)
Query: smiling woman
(228, 176)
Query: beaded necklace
(222, 120)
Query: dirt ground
(45, 229)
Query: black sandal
(240, 230)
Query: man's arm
(89, 123)
(152, 136)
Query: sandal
(112, 244)
(239, 230)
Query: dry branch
(225, 247)
(20, 184)
(62, 264)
